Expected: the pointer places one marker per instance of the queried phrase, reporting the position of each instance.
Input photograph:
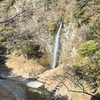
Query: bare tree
(67, 75)
(29, 9)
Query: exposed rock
(34, 84)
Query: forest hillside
(28, 29)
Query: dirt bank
(24, 67)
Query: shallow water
(34, 94)
(42, 95)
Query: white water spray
(56, 47)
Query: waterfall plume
(56, 48)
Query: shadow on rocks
(96, 97)
(4, 70)
(61, 98)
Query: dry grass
(52, 81)
(24, 67)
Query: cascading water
(56, 47)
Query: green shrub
(83, 12)
(87, 64)
(94, 32)
(2, 45)
(89, 48)
(52, 26)
(31, 50)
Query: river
(28, 93)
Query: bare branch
(75, 81)
(18, 15)
(83, 91)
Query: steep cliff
(25, 22)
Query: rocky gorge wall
(40, 21)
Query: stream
(29, 93)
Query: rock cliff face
(40, 20)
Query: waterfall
(56, 47)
